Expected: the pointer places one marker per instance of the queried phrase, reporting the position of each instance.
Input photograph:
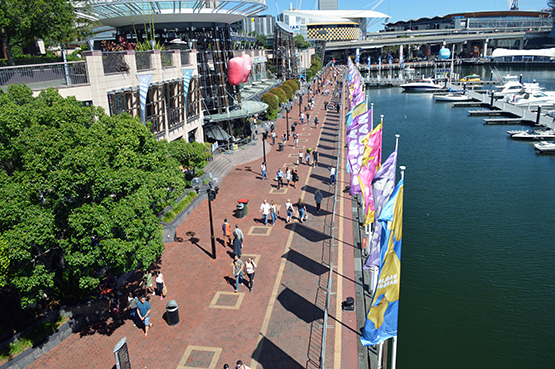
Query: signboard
(122, 355)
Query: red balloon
(235, 70)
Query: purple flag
(358, 130)
(357, 99)
(383, 185)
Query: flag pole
(394, 350)
(397, 141)
(372, 115)
(380, 355)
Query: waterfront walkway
(279, 324)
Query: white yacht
(534, 135)
(452, 96)
(424, 85)
(535, 98)
(545, 147)
(514, 87)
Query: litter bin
(173, 313)
(280, 146)
(240, 211)
(245, 203)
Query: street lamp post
(264, 138)
(212, 191)
(287, 108)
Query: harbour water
(478, 260)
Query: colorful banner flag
(357, 100)
(371, 160)
(383, 316)
(187, 75)
(359, 109)
(382, 188)
(355, 134)
(144, 83)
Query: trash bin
(172, 313)
(240, 211)
(280, 146)
(245, 203)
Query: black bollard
(538, 116)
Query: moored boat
(424, 85)
(471, 78)
(545, 147)
(452, 96)
(534, 135)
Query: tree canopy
(300, 42)
(24, 21)
(79, 194)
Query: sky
(411, 9)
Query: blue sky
(412, 9)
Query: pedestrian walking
(301, 208)
(132, 302)
(308, 119)
(237, 232)
(314, 157)
(240, 365)
(295, 177)
(263, 170)
(226, 229)
(325, 105)
(318, 197)
(265, 209)
(273, 134)
(300, 159)
(284, 137)
(302, 118)
(143, 311)
(273, 212)
(308, 156)
(160, 284)
(237, 245)
(250, 268)
(316, 121)
(147, 282)
(279, 177)
(296, 139)
(337, 107)
(238, 271)
(289, 209)
(332, 175)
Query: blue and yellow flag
(382, 319)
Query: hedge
(280, 94)
(271, 99)
(288, 91)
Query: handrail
(41, 65)
(328, 294)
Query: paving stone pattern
(279, 324)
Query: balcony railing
(166, 58)
(40, 76)
(186, 57)
(142, 58)
(114, 62)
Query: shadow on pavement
(306, 263)
(272, 357)
(310, 234)
(298, 305)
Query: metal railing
(142, 59)
(166, 58)
(186, 57)
(114, 62)
(39, 76)
(328, 294)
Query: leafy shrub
(271, 114)
(288, 91)
(293, 84)
(280, 94)
(270, 99)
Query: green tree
(194, 155)
(79, 194)
(300, 42)
(261, 40)
(280, 94)
(270, 99)
(23, 21)
(288, 91)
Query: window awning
(248, 108)
(216, 133)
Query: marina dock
(513, 114)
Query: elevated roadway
(439, 37)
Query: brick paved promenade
(279, 324)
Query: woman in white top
(289, 209)
(250, 268)
(288, 176)
(159, 284)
